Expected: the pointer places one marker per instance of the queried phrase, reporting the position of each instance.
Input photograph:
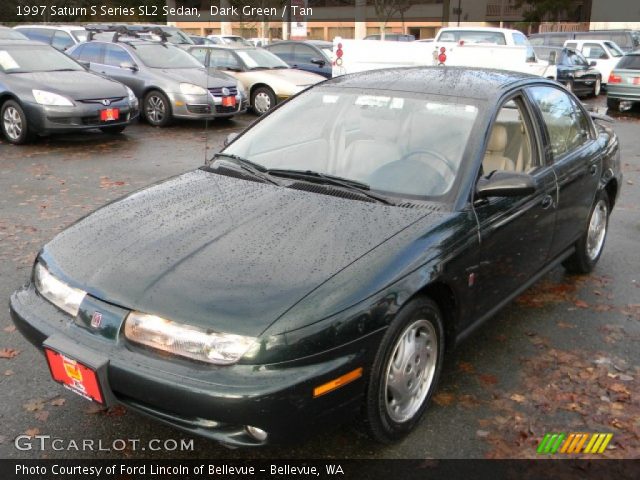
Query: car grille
(99, 100)
(198, 108)
(221, 109)
(217, 91)
(95, 120)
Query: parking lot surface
(562, 357)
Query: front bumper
(82, 116)
(217, 402)
(205, 107)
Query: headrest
(498, 140)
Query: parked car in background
(316, 270)
(575, 72)
(174, 35)
(198, 40)
(391, 37)
(7, 33)
(43, 91)
(170, 82)
(229, 40)
(61, 37)
(603, 54)
(266, 78)
(259, 41)
(310, 55)
(623, 86)
(627, 40)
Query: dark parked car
(43, 91)
(306, 277)
(311, 55)
(575, 72)
(624, 82)
(392, 37)
(170, 82)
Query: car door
(515, 232)
(303, 56)
(120, 66)
(574, 150)
(284, 51)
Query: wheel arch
(612, 191)
(444, 296)
(261, 84)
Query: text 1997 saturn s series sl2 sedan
(309, 273)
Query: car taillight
(443, 56)
(613, 78)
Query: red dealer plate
(109, 114)
(74, 375)
(228, 101)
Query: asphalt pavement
(563, 357)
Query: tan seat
(494, 158)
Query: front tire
(262, 100)
(15, 126)
(157, 109)
(590, 245)
(405, 371)
(597, 87)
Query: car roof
(7, 42)
(479, 29)
(478, 83)
(61, 27)
(317, 43)
(227, 46)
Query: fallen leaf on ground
(488, 379)
(581, 304)
(32, 432)
(8, 352)
(58, 402)
(94, 408)
(10, 329)
(482, 433)
(33, 405)
(42, 415)
(8, 373)
(516, 397)
(466, 367)
(444, 399)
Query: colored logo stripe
(574, 443)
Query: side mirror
(592, 63)
(506, 184)
(129, 66)
(318, 61)
(230, 138)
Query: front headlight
(191, 89)
(57, 292)
(49, 98)
(186, 340)
(131, 96)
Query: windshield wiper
(254, 169)
(64, 70)
(346, 183)
(280, 66)
(259, 68)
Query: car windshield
(397, 143)
(9, 34)
(255, 59)
(34, 58)
(80, 35)
(471, 36)
(165, 56)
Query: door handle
(547, 201)
(593, 169)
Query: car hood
(77, 85)
(197, 76)
(219, 252)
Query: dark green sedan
(318, 268)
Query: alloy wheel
(12, 122)
(410, 371)
(156, 109)
(597, 229)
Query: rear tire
(405, 371)
(157, 109)
(113, 130)
(613, 104)
(597, 87)
(14, 123)
(590, 245)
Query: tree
(387, 9)
(540, 10)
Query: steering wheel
(434, 154)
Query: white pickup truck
(456, 46)
(604, 54)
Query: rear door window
(92, 52)
(629, 62)
(116, 56)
